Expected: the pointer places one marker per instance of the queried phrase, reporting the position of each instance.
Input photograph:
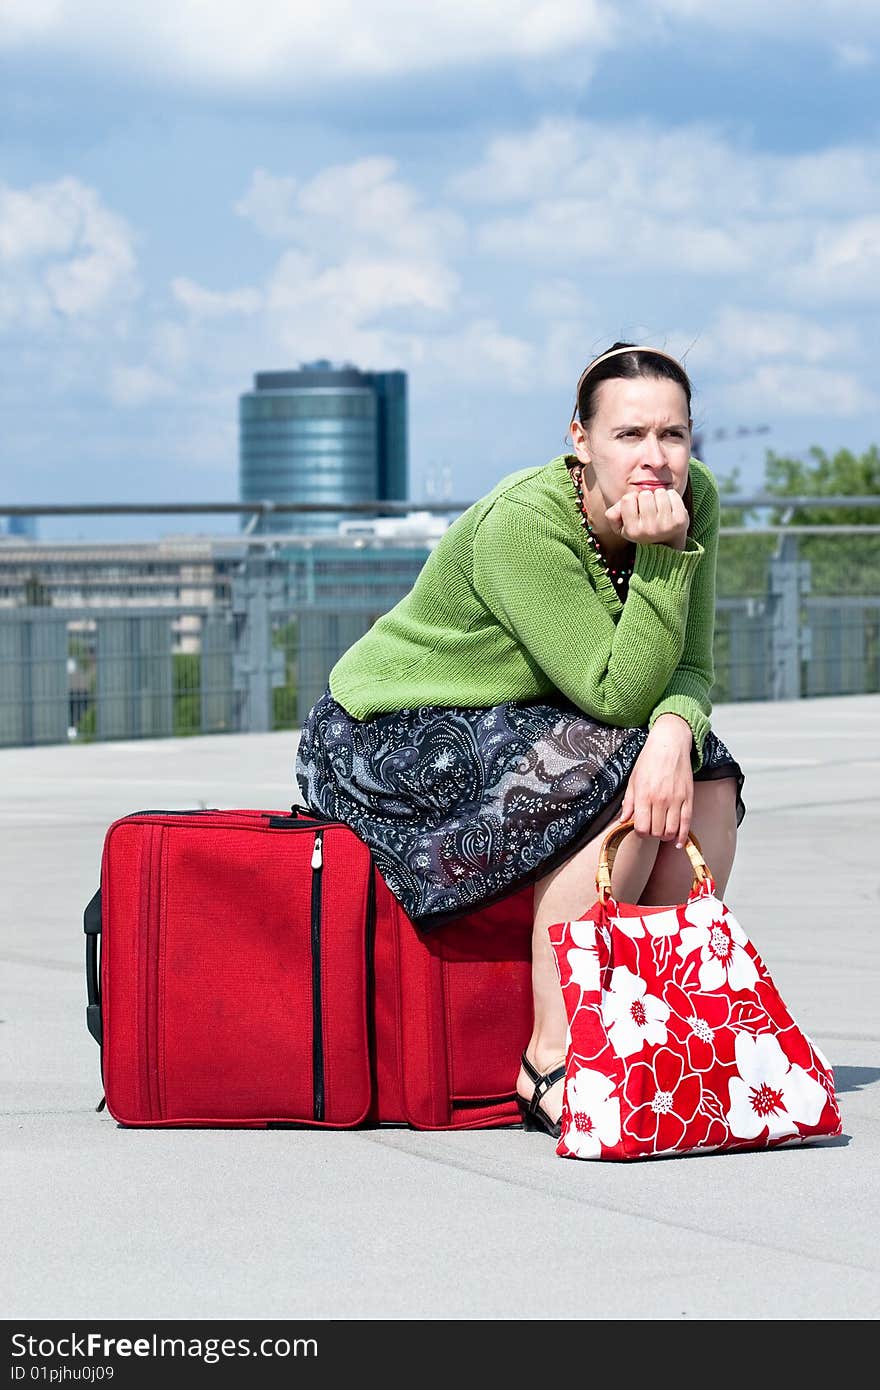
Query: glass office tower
(322, 434)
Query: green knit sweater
(514, 604)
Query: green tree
(187, 693)
(285, 638)
(729, 485)
(843, 474)
(843, 565)
(87, 724)
(846, 563)
(36, 593)
(742, 559)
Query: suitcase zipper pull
(317, 852)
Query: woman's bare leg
(714, 825)
(561, 896)
(645, 870)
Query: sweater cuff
(664, 562)
(688, 709)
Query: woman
(546, 677)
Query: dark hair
(643, 362)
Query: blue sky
(484, 194)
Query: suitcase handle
(299, 816)
(92, 929)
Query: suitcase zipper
(151, 916)
(317, 1029)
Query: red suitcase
(255, 970)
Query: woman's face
(639, 438)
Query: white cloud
(366, 270)
(582, 224)
(738, 336)
(171, 342)
(358, 288)
(337, 310)
(133, 386)
(610, 164)
(365, 276)
(853, 55)
(270, 204)
(814, 21)
(205, 441)
(525, 165)
(578, 231)
(637, 198)
(844, 264)
(798, 389)
(64, 255)
(377, 312)
(557, 297)
(27, 20)
(842, 179)
(377, 208)
(564, 349)
(481, 353)
(210, 304)
(370, 309)
(39, 221)
(361, 203)
(282, 48)
(692, 171)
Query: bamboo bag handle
(611, 844)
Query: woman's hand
(651, 516)
(660, 793)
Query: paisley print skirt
(461, 807)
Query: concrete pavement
(106, 1222)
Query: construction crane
(735, 432)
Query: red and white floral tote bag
(678, 1039)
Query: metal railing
(222, 634)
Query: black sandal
(534, 1116)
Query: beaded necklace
(619, 574)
